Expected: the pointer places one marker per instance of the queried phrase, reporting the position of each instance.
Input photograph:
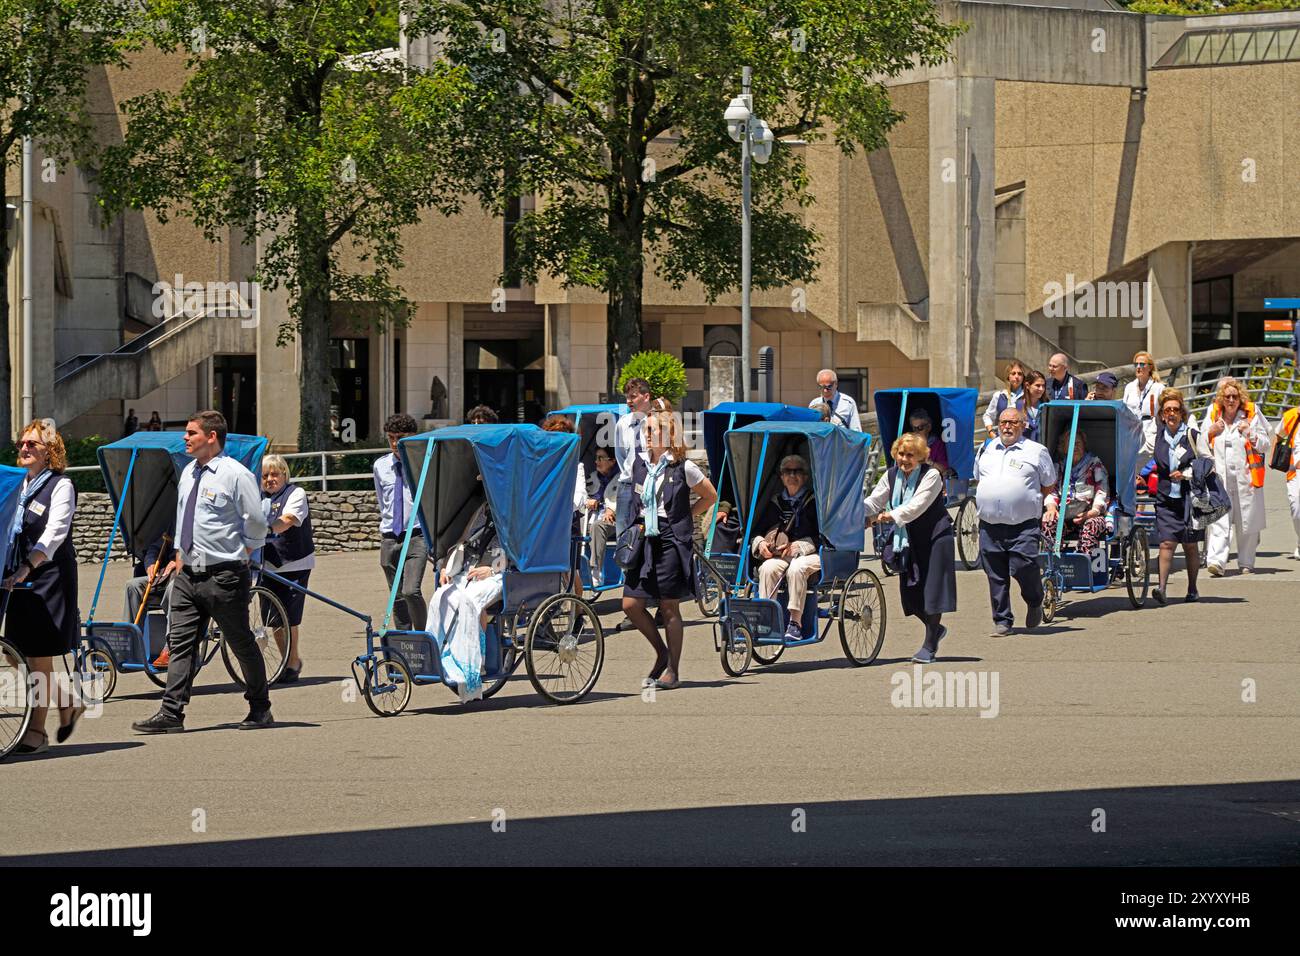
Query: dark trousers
(410, 609)
(197, 598)
(625, 509)
(1011, 551)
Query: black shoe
(160, 723)
(290, 674)
(1192, 596)
(1034, 616)
(1159, 595)
(257, 719)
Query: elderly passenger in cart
(788, 540)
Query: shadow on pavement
(1246, 824)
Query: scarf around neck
(904, 489)
(649, 501)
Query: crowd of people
(645, 490)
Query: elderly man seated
(787, 540)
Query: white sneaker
(1215, 571)
(1295, 555)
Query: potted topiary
(665, 373)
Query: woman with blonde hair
(1142, 395)
(1237, 436)
(41, 620)
(290, 551)
(661, 500)
(910, 495)
(1013, 394)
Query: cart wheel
(564, 649)
(885, 569)
(737, 650)
(509, 662)
(1137, 566)
(968, 535)
(767, 654)
(97, 669)
(711, 588)
(862, 617)
(1051, 598)
(269, 622)
(388, 684)
(15, 701)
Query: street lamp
(756, 139)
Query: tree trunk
(317, 382)
(623, 314)
(6, 374)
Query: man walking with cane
(219, 525)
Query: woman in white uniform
(1237, 436)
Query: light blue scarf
(649, 501)
(33, 487)
(903, 491)
(1175, 487)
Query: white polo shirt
(844, 411)
(1011, 481)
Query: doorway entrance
(234, 391)
(350, 399)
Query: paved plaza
(1131, 720)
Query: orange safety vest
(1254, 459)
(1288, 427)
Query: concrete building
(1068, 158)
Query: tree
(46, 50)
(1192, 8)
(285, 128)
(611, 112)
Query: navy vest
(1162, 460)
(676, 498)
(932, 523)
(293, 544)
(54, 582)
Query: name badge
(638, 489)
(37, 508)
(209, 494)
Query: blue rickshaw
(952, 414)
(15, 674)
(142, 475)
(594, 425)
(720, 556)
(842, 593)
(1113, 434)
(527, 479)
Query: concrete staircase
(151, 360)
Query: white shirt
(385, 473)
(929, 488)
(991, 413)
(228, 522)
(693, 477)
(295, 507)
(1011, 481)
(625, 441)
(844, 411)
(1144, 402)
(63, 503)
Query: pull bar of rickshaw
(749, 520)
(108, 551)
(1060, 492)
(406, 541)
(267, 573)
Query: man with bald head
(843, 409)
(1061, 385)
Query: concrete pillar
(1169, 311)
(559, 355)
(828, 348)
(959, 104)
(456, 362)
(724, 379)
(277, 372)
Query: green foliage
(1192, 8)
(665, 373)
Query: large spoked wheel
(968, 535)
(15, 701)
(1051, 598)
(388, 684)
(269, 622)
(509, 661)
(159, 677)
(710, 587)
(565, 648)
(97, 672)
(767, 654)
(862, 617)
(737, 649)
(1137, 566)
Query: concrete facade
(1047, 154)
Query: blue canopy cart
(594, 425)
(526, 476)
(15, 701)
(842, 593)
(721, 550)
(1113, 434)
(952, 417)
(142, 473)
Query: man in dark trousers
(394, 491)
(219, 525)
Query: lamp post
(755, 140)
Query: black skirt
(1172, 523)
(41, 621)
(935, 591)
(664, 571)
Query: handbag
(1281, 460)
(627, 554)
(1076, 509)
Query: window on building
(510, 243)
(855, 383)
(1212, 326)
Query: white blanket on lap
(453, 621)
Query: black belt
(215, 568)
(417, 533)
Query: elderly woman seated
(471, 580)
(1086, 494)
(787, 540)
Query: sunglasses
(793, 471)
(825, 388)
(1141, 365)
(28, 443)
(1008, 421)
